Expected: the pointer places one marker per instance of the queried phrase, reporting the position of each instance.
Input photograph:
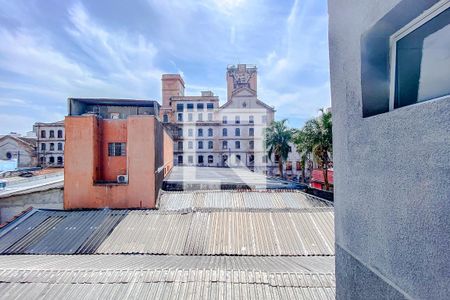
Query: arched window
(52, 147)
(51, 160)
(200, 144)
(60, 134)
(210, 145)
(237, 145)
(52, 134)
(210, 132)
(43, 147)
(224, 132)
(43, 135)
(225, 145)
(210, 159)
(237, 132)
(60, 147)
(200, 132)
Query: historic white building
(50, 143)
(207, 134)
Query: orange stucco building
(117, 154)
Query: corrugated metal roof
(165, 284)
(301, 232)
(60, 232)
(319, 264)
(239, 199)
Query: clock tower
(239, 77)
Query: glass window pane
(423, 62)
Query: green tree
(316, 138)
(277, 138)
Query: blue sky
(51, 50)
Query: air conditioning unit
(122, 179)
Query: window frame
(113, 153)
(421, 20)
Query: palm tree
(277, 138)
(316, 138)
(303, 148)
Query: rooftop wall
(391, 170)
(88, 165)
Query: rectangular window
(190, 145)
(200, 106)
(180, 117)
(251, 131)
(180, 159)
(224, 145)
(180, 146)
(190, 106)
(190, 159)
(180, 107)
(190, 117)
(43, 134)
(190, 132)
(200, 159)
(420, 59)
(237, 132)
(180, 132)
(210, 106)
(251, 119)
(237, 120)
(210, 116)
(43, 147)
(52, 134)
(116, 149)
(200, 144)
(200, 117)
(224, 120)
(200, 132)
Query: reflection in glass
(423, 62)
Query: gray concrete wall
(14, 205)
(392, 172)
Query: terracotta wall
(86, 137)
(168, 153)
(112, 131)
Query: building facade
(17, 151)
(50, 143)
(117, 154)
(207, 134)
(390, 71)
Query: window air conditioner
(122, 179)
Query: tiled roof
(242, 200)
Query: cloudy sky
(51, 50)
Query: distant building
(50, 143)
(117, 154)
(20, 149)
(207, 134)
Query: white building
(50, 143)
(207, 134)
